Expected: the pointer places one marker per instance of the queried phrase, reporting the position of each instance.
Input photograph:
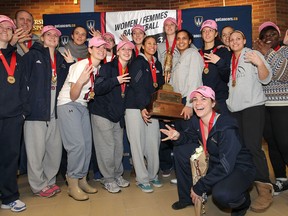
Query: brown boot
(83, 184)
(265, 197)
(75, 191)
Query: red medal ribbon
(53, 65)
(277, 48)
(105, 59)
(211, 121)
(10, 69)
(29, 43)
(91, 77)
(153, 70)
(172, 47)
(234, 66)
(121, 72)
(206, 64)
(136, 51)
(79, 59)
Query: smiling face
(138, 36)
(203, 106)
(50, 39)
(149, 46)
(182, 41)
(170, 28)
(271, 37)
(237, 42)
(124, 53)
(225, 35)
(79, 36)
(6, 31)
(24, 20)
(97, 53)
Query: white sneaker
(121, 182)
(112, 187)
(173, 181)
(16, 206)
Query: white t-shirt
(75, 71)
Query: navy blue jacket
(108, 102)
(140, 88)
(218, 76)
(226, 151)
(37, 67)
(13, 97)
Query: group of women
(224, 87)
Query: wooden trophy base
(166, 105)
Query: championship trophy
(165, 103)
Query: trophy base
(166, 105)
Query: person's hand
(261, 46)
(194, 196)
(211, 57)
(124, 78)
(67, 56)
(253, 58)
(170, 132)
(94, 33)
(85, 75)
(20, 36)
(285, 40)
(187, 112)
(123, 37)
(145, 116)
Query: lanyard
(211, 121)
(153, 72)
(105, 59)
(29, 43)
(173, 46)
(54, 71)
(136, 51)
(277, 48)
(10, 69)
(235, 62)
(91, 92)
(121, 72)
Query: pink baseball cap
(205, 91)
(209, 23)
(49, 28)
(266, 24)
(171, 19)
(123, 43)
(97, 42)
(140, 27)
(5, 18)
(108, 34)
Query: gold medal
(122, 94)
(155, 85)
(11, 79)
(54, 78)
(206, 70)
(233, 83)
(91, 95)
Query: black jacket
(226, 151)
(108, 102)
(37, 67)
(140, 88)
(13, 97)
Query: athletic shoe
(145, 187)
(121, 182)
(280, 185)
(156, 183)
(166, 173)
(112, 187)
(173, 181)
(55, 188)
(16, 206)
(46, 192)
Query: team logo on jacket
(198, 20)
(64, 39)
(90, 24)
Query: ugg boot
(83, 184)
(265, 197)
(74, 190)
